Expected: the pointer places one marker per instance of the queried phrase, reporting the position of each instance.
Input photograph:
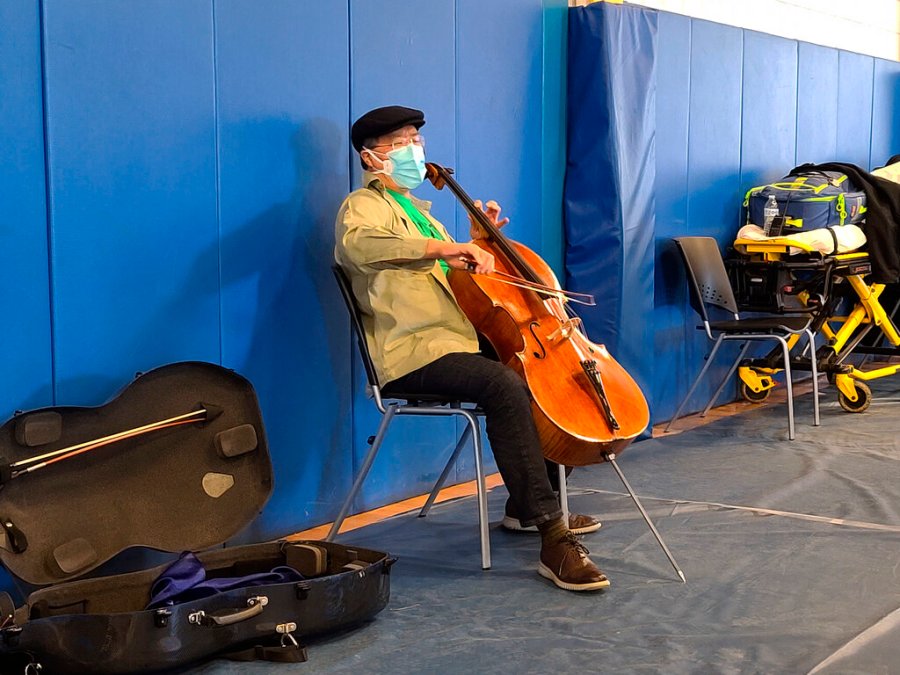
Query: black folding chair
(709, 286)
(398, 404)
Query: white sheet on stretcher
(849, 238)
(890, 172)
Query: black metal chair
(433, 406)
(709, 286)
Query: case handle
(255, 606)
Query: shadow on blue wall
(290, 337)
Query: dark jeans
(505, 400)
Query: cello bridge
(565, 329)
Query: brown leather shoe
(566, 564)
(578, 524)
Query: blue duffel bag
(809, 201)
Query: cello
(585, 405)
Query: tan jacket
(409, 313)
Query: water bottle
(770, 210)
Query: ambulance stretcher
(788, 275)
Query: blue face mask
(406, 166)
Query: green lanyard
(422, 223)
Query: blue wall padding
(610, 174)
(26, 373)
(553, 136)
(885, 132)
(817, 104)
(855, 97)
(197, 152)
(131, 141)
(734, 109)
(768, 108)
(26, 366)
(672, 86)
(714, 127)
(282, 157)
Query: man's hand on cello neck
(492, 211)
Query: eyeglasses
(416, 139)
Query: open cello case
(177, 462)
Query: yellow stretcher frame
(838, 331)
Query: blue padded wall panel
(854, 125)
(403, 52)
(817, 104)
(768, 109)
(714, 140)
(714, 161)
(553, 130)
(670, 292)
(131, 147)
(26, 371)
(499, 126)
(283, 105)
(885, 112)
(610, 173)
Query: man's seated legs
(505, 400)
(578, 523)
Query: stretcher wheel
(754, 396)
(863, 401)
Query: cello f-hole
(543, 353)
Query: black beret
(383, 121)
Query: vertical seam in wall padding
(215, 57)
(543, 139)
(457, 210)
(458, 216)
(351, 157)
(741, 134)
(687, 338)
(797, 109)
(687, 135)
(837, 107)
(741, 119)
(48, 202)
(871, 117)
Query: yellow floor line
(398, 508)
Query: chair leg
(563, 494)
(815, 375)
(473, 431)
(788, 385)
(481, 489)
(684, 401)
(363, 471)
(463, 439)
(734, 367)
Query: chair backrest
(343, 282)
(708, 282)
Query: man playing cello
(397, 256)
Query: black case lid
(186, 487)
